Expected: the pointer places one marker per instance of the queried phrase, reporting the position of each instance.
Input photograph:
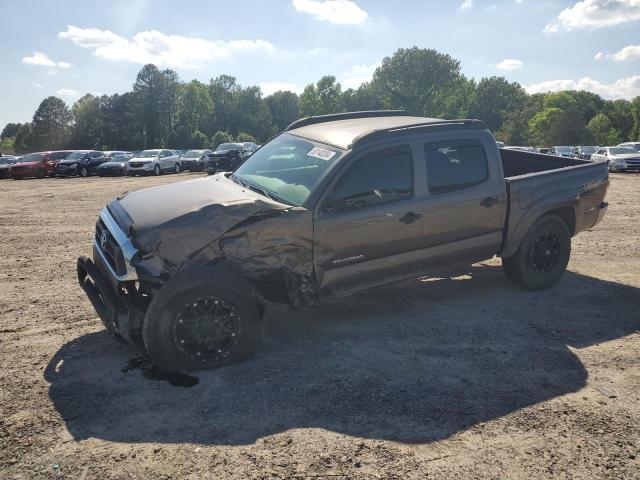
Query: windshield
(119, 158)
(588, 149)
(6, 161)
(33, 157)
(76, 156)
(622, 150)
(563, 149)
(288, 167)
(228, 146)
(193, 154)
(148, 154)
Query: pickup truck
(331, 206)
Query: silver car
(620, 159)
(154, 162)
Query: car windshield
(148, 154)
(119, 158)
(563, 149)
(193, 154)
(33, 157)
(76, 156)
(288, 167)
(228, 146)
(588, 149)
(622, 150)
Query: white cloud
(66, 92)
(339, 12)
(37, 85)
(599, 56)
(158, 48)
(42, 60)
(595, 14)
(509, 64)
(627, 88)
(466, 5)
(359, 74)
(271, 87)
(632, 52)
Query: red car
(39, 164)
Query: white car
(154, 162)
(620, 159)
(635, 145)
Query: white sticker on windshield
(321, 153)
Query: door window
(377, 178)
(455, 165)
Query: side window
(455, 165)
(96, 154)
(377, 178)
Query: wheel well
(568, 215)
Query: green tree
(546, 127)
(620, 112)
(284, 108)
(322, 98)
(635, 113)
(121, 129)
(23, 142)
(198, 140)
(195, 108)
(10, 130)
(221, 137)
(361, 99)
(51, 125)
(246, 137)
(494, 98)
(7, 144)
(222, 90)
(87, 130)
(602, 131)
(417, 80)
(251, 114)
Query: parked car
(194, 160)
(635, 145)
(543, 150)
(584, 152)
(332, 206)
(248, 148)
(154, 162)
(81, 163)
(38, 164)
(226, 158)
(116, 165)
(522, 149)
(619, 159)
(5, 165)
(500, 144)
(561, 151)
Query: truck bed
(536, 183)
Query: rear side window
(455, 165)
(378, 178)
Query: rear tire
(177, 169)
(181, 331)
(83, 172)
(543, 255)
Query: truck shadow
(415, 363)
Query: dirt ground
(448, 378)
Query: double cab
(332, 206)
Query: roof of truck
(344, 130)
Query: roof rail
(303, 122)
(414, 127)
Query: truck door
(369, 224)
(466, 202)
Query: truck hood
(176, 221)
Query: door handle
(489, 201)
(410, 217)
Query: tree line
(163, 111)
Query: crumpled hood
(177, 220)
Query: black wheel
(84, 172)
(177, 169)
(40, 173)
(543, 254)
(195, 323)
(156, 170)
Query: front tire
(84, 172)
(177, 169)
(156, 170)
(198, 323)
(543, 255)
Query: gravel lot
(447, 378)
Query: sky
(68, 48)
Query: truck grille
(110, 248)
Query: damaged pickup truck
(332, 206)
